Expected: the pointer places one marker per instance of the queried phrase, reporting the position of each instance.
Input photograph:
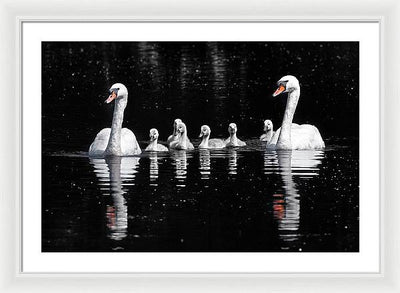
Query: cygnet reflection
(179, 158)
(205, 164)
(232, 161)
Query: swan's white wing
(241, 143)
(266, 138)
(161, 148)
(129, 144)
(158, 148)
(173, 144)
(228, 143)
(172, 138)
(189, 144)
(99, 144)
(303, 137)
(177, 144)
(306, 137)
(216, 143)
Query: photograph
(200, 146)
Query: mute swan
(269, 131)
(115, 141)
(206, 142)
(154, 146)
(290, 135)
(183, 142)
(232, 140)
(175, 135)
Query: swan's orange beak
(279, 90)
(111, 97)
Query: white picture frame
(33, 260)
(386, 13)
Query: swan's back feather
(179, 145)
(303, 137)
(213, 143)
(156, 148)
(190, 146)
(172, 138)
(98, 146)
(129, 144)
(216, 143)
(228, 143)
(264, 137)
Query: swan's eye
(114, 90)
(282, 83)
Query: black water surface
(247, 199)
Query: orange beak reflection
(279, 90)
(111, 97)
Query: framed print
(180, 204)
(211, 148)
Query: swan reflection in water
(113, 174)
(179, 160)
(153, 168)
(286, 206)
(205, 164)
(232, 162)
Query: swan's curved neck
(183, 138)
(204, 141)
(268, 134)
(284, 140)
(233, 138)
(114, 143)
(153, 143)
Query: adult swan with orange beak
(291, 136)
(115, 141)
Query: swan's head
(232, 128)
(268, 125)
(205, 131)
(286, 84)
(181, 128)
(117, 91)
(153, 134)
(176, 122)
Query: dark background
(199, 82)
